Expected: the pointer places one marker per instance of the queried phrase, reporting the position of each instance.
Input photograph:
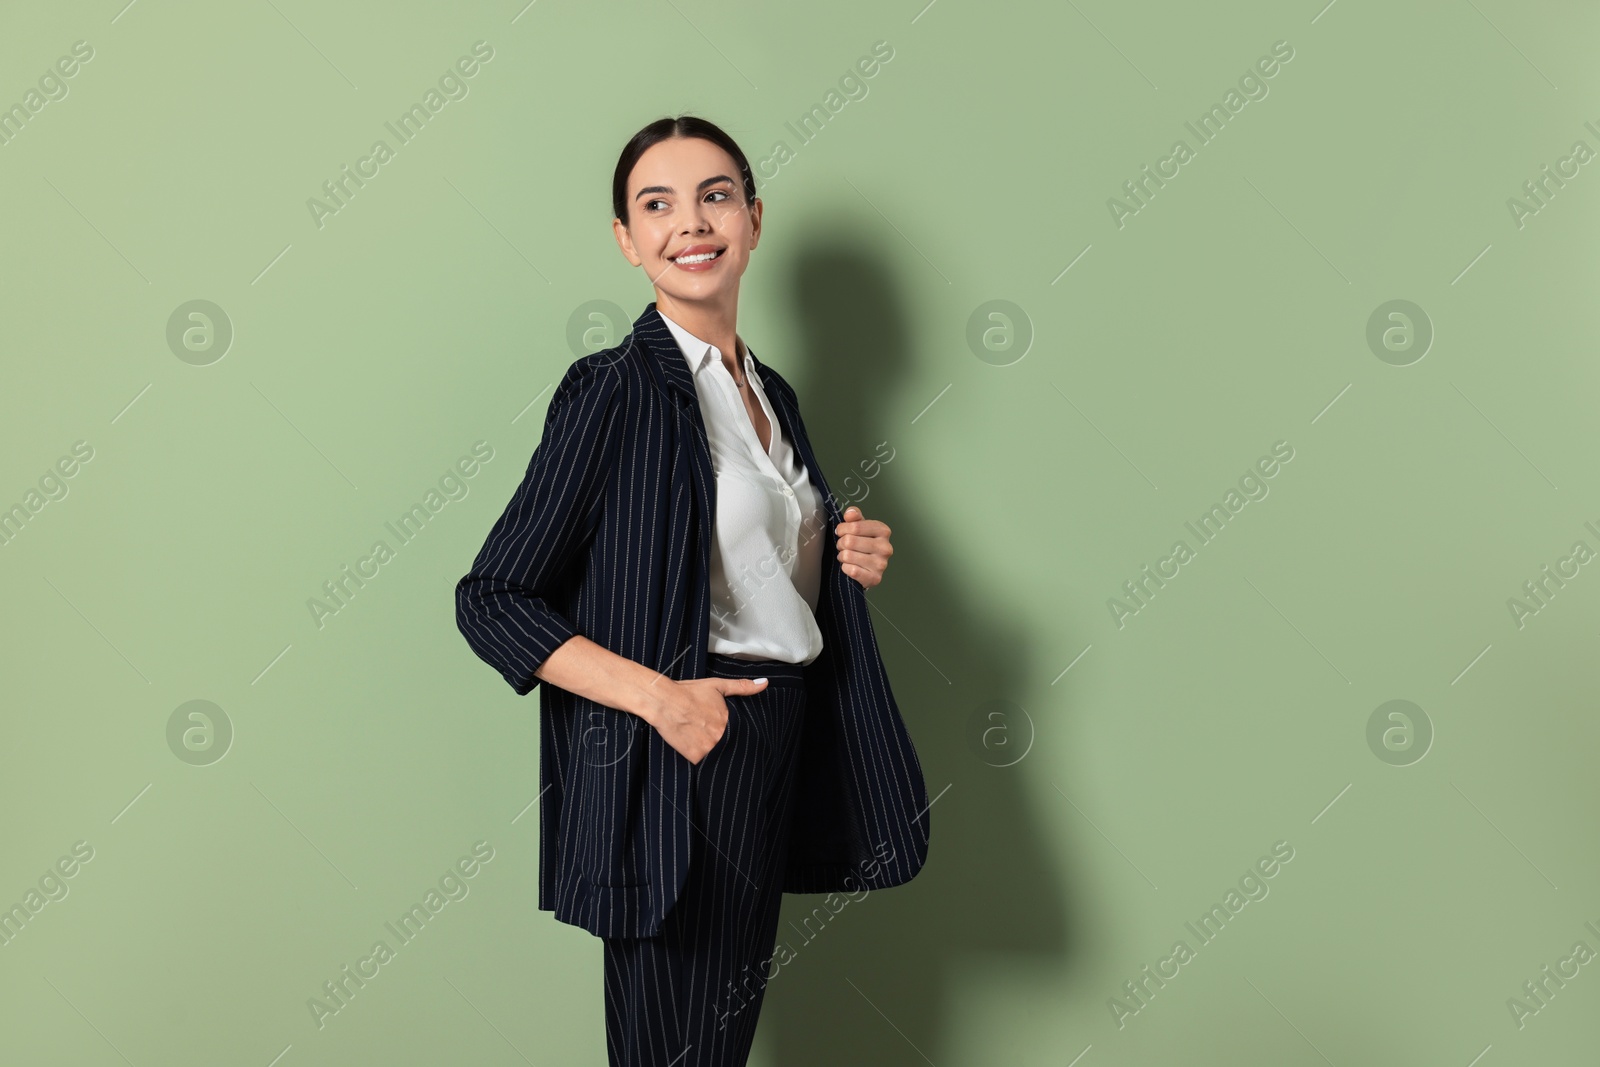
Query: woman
(717, 728)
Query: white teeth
(699, 258)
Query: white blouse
(766, 547)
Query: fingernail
(760, 680)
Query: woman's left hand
(864, 547)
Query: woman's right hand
(693, 715)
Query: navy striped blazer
(609, 536)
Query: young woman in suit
(717, 727)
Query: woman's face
(685, 197)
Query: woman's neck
(713, 325)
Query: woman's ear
(625, 241)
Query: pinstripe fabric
(690, 996)
(608, 536)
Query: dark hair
(660, 130)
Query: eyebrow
(667, 188)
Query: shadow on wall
(878, 982)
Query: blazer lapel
(651, 330)
(670, 373)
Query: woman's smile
(697, 257)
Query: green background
(1083, 815)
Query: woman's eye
(651, 206)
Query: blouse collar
(698, 353)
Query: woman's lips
(703, 265)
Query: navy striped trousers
(689, 997)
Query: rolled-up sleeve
(502, 605)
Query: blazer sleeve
(503, 604)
